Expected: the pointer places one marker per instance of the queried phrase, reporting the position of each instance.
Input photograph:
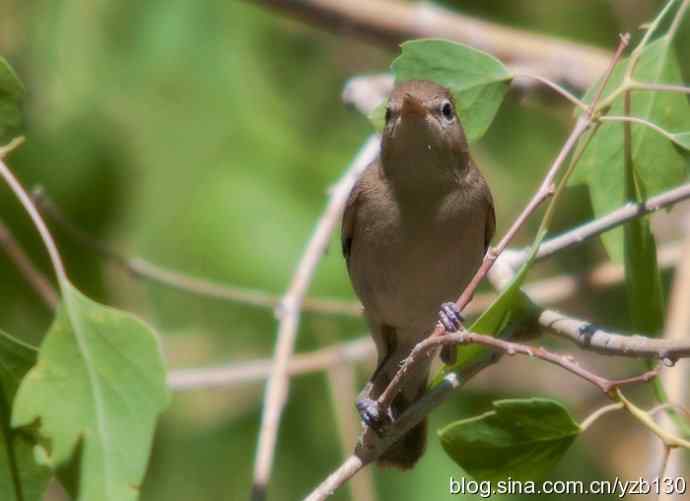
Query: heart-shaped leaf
(520, 438)
(477, 80)
(21, 478)
(95, 394)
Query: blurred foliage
(204, 136)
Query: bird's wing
(490, 228)
(349, 218)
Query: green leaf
(21, 478)
(477, 80)
(11, 95)
(521, 438)
(658, 164)
(95, 394)
(510, 307)
(642, 278)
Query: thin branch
(589, 420)
(543, 193)
(33, 276)
(592, 338)
(546, 189)
(258, 370)
(624, 41)
(347, 470)
(8, 148)
(146, 270)
(603, 224)
(342, 385)
(512, 348)
(371, 446)
(390, 22)
(556, 289)
(289, 312)
(553, 85)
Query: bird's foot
(452, 321)
(372, 414)
(450, 317)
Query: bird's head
(422, 128)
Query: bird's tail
(409, 448)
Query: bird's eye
(447, 110)
(388, 114)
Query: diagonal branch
(371, 446)
(289, 312)
(594, 228)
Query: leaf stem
(589, 420)
(38, 222)
(641, 415)
(657, 87)
(637, 51)
(553, 85)
(677, 20)
(637, 120)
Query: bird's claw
(452, 321)
(450, 317)
(371, 413)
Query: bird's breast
(405, 264)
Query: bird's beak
(412, 108)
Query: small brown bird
(415, 229)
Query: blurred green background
(203, 136)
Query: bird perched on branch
(415, 229)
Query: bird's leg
(452, 321)
(367, 405)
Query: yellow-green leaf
(95, 395)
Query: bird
(415, 229)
